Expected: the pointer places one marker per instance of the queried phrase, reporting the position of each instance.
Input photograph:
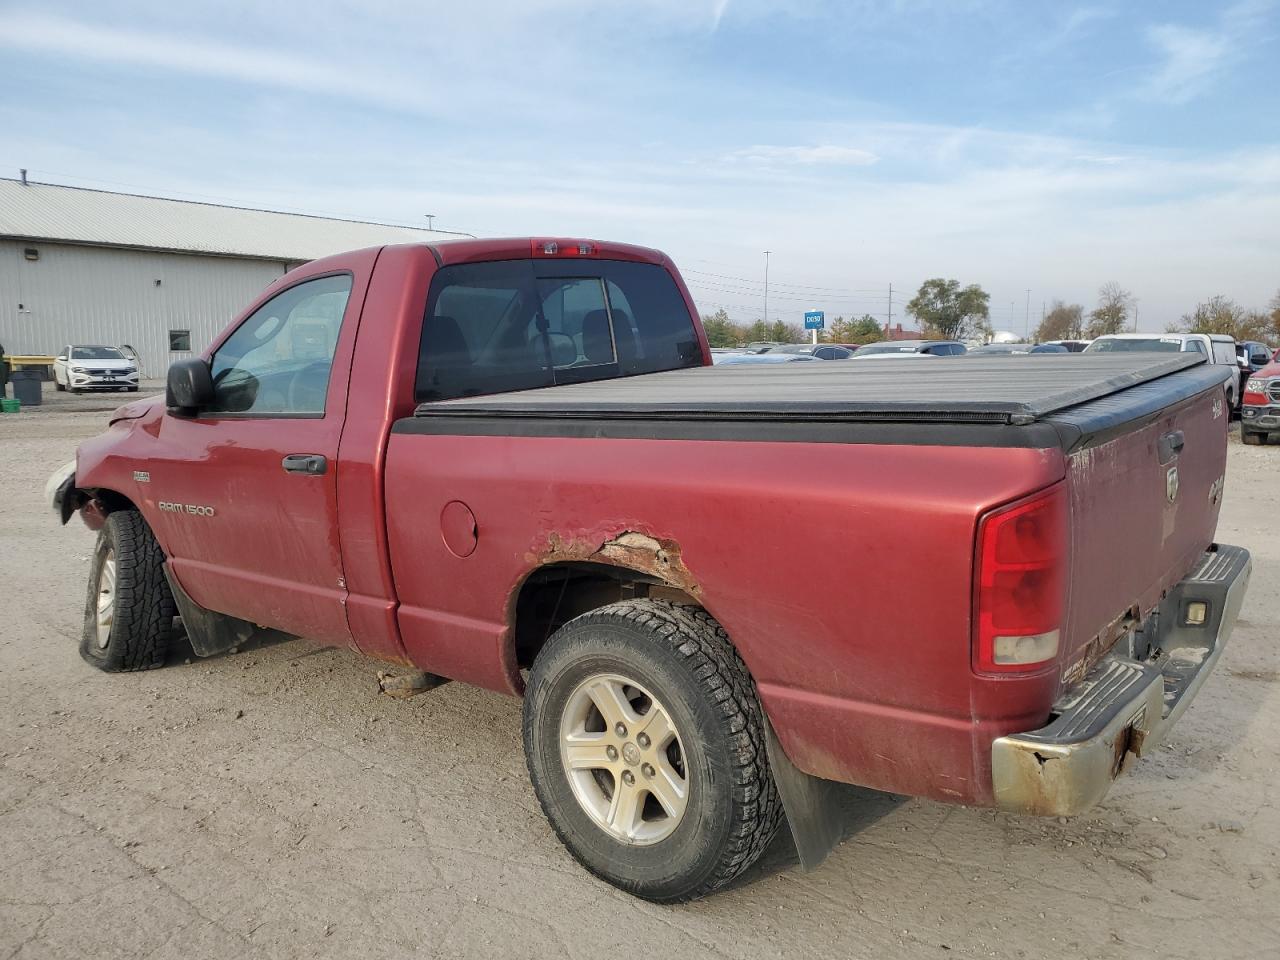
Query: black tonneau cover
(1015, 389)
(818, 400)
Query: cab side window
(277, 362)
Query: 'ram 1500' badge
(195, 509)
(1171, 483)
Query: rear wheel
(128, 616)
(645, 744)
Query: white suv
(1218, 347)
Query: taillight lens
(1020, 588)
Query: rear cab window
(508, 325)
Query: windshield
(886, 348)
(1138, 345)
(96, 353)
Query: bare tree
(1111, 315)
(1062, 322)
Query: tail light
(1020, 584)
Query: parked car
(543, 491)
(80, 367)
(761, 346)
(772, 356)
(996, 349)
(1260, 409)
(939, 348)
(1218, 348)
(1071, 346)
(820, 351)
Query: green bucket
(8, 405)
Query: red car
(1260, 407)
(510, 463)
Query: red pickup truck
(511, 463)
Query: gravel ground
(273, 804)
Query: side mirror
(63, 358)
(189, 387)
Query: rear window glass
(521, 324)
(1139, 345)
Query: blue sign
(815, 320)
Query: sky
(1039, 149)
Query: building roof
(48, 212)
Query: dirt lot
(273, 804)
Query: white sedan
(86, 367)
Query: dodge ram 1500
(510, 463)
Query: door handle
(312, 464)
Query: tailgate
(1144, 498)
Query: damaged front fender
(61, 492)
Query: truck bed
(1032, 401)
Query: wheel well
(553, 595)
(112, 501)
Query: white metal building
(163, 276)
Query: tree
(1111, 315)
(1062, 322)
(721, 331)
(1223, 315)
(947, 312)
(864, 329)
(784, 332)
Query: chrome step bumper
(1124, 707)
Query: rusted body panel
(815, 557)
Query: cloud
(825, 154)
(258, 65)
(1193, 58)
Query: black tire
(684, 657)
(141, 615)
(1251, 438)
(58, 387)
(133, 389)
(76, 390)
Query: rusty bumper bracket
(1124, 707)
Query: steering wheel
(307, 387)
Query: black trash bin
(26, 386)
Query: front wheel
(58, 385)
(1251, 438)
(646, 747)
(128, 616)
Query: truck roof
(977, 391)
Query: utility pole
(1027, 333)
(889, 319)
(766, 287)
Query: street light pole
(766, 287)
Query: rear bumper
(1124, 706)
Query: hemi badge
(142, 476)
